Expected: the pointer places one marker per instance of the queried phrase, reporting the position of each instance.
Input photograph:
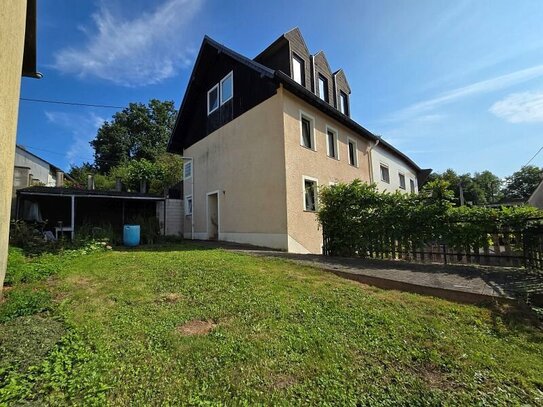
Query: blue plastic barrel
(131, 235)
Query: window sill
(333, 158)
(353, 165)
(310, 211)
(308, 148)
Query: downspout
(313, 79)
(372, 178)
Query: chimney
(118, 184)
(60, 179)
(90, 181)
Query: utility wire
(535, 155)
(59, 102)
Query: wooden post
(164, 217)
(73, 216)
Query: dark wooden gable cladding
(276, 56)
(251, 87)
(322, 68)
(342, 86)
(299, 48)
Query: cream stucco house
(260, 136)
(17, 57)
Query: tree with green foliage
(137, 132)
(132, 148)
(482, 188)
(523, 183)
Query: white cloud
(488, 85)
(523, 107)
(82, 128)
(142, 51)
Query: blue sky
(453, 84)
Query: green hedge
(358, 220)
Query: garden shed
(65, 210)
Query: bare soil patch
(170, 298)
(196, 327)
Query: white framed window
(187, 170)
(188, 205)
(343, 103)
(298, 69)
(401, 178)
(353, 152)
(227, 87)
(385, 174)
(412, 186)
(310, 193)
(307, 131)
(332, 142)
(323, 88)
(213, 99)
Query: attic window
(323, 88)
(298, 69)
(227, 88)
(343, 103)
(213, 99)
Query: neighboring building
(396, 172)
(32, 170)
(260, 136)
(17, 57)
(536, 199)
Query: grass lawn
(177, 324)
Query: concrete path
(459, 283)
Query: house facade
(17, 58)
(260, 136)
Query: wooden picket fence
(504, 247)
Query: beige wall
(12, 30)
(244, 161)
(303, 230)
(396, 166)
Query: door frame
(217, 192)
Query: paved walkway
(459, 283)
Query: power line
(535, 155)
(59, 102)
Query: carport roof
(89, 193)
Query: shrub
(29, 237)
(359, 220)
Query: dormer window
(298, 69)
(227, 88)
(343, 103)
(213, 99)
(323, 88)
(221, 93)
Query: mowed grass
(278, 333)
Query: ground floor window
(188, 205)
(310, 194)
